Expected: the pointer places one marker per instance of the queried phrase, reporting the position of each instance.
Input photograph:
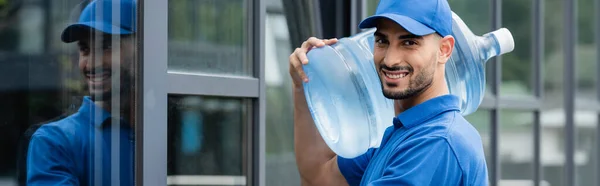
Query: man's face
(104, 64)
(406, 63)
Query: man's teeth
(395, 76)
(99, 78)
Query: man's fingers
(312, 41)
(299, 58)
(330, 41)
(297, 65)
(301, 55)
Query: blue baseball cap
(98, 15)
(419, 17)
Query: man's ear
(446, 48)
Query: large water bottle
(344, 91)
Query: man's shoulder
(62, 126)
(462, 134)
(451, 126)
(459, 134)
(465, 141)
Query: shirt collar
(423, 112)
(92, 112)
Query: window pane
(586, 152)
(516, 146)
(516, 65)
(553, 114)
(67, 113)
(207, 140)
(586, 118)
(280, 160)
(553, 145)
(208, 36)
(585, 53)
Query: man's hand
(298, 58)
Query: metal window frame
(597, 39)
(494, 176)
(157, 83)
(569, 87)
(151, 135)
(538, 81)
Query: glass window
(516, 146)
(553, 145)
(67, 115)
(280, 159)
(516, 65)
(586, 149)
(553, 114)
(586, 117)
(207, 140)
(209, 36)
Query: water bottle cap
(505, 39)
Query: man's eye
(409, 43)
(380, 41)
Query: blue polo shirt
(79, 150)
(429, 144)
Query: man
(95, 145)
(430, 143)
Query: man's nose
(392, 58)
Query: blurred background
(539, 119)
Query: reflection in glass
(208, 36)
(207, 140)
(68, 117)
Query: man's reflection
(95, 145)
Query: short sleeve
(354, 168)
(48, 162)
(422, 161)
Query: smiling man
(430, 143)
(95, 145)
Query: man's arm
(48, 162)
(317, 164)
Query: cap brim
(408, 23)
(77, 31)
